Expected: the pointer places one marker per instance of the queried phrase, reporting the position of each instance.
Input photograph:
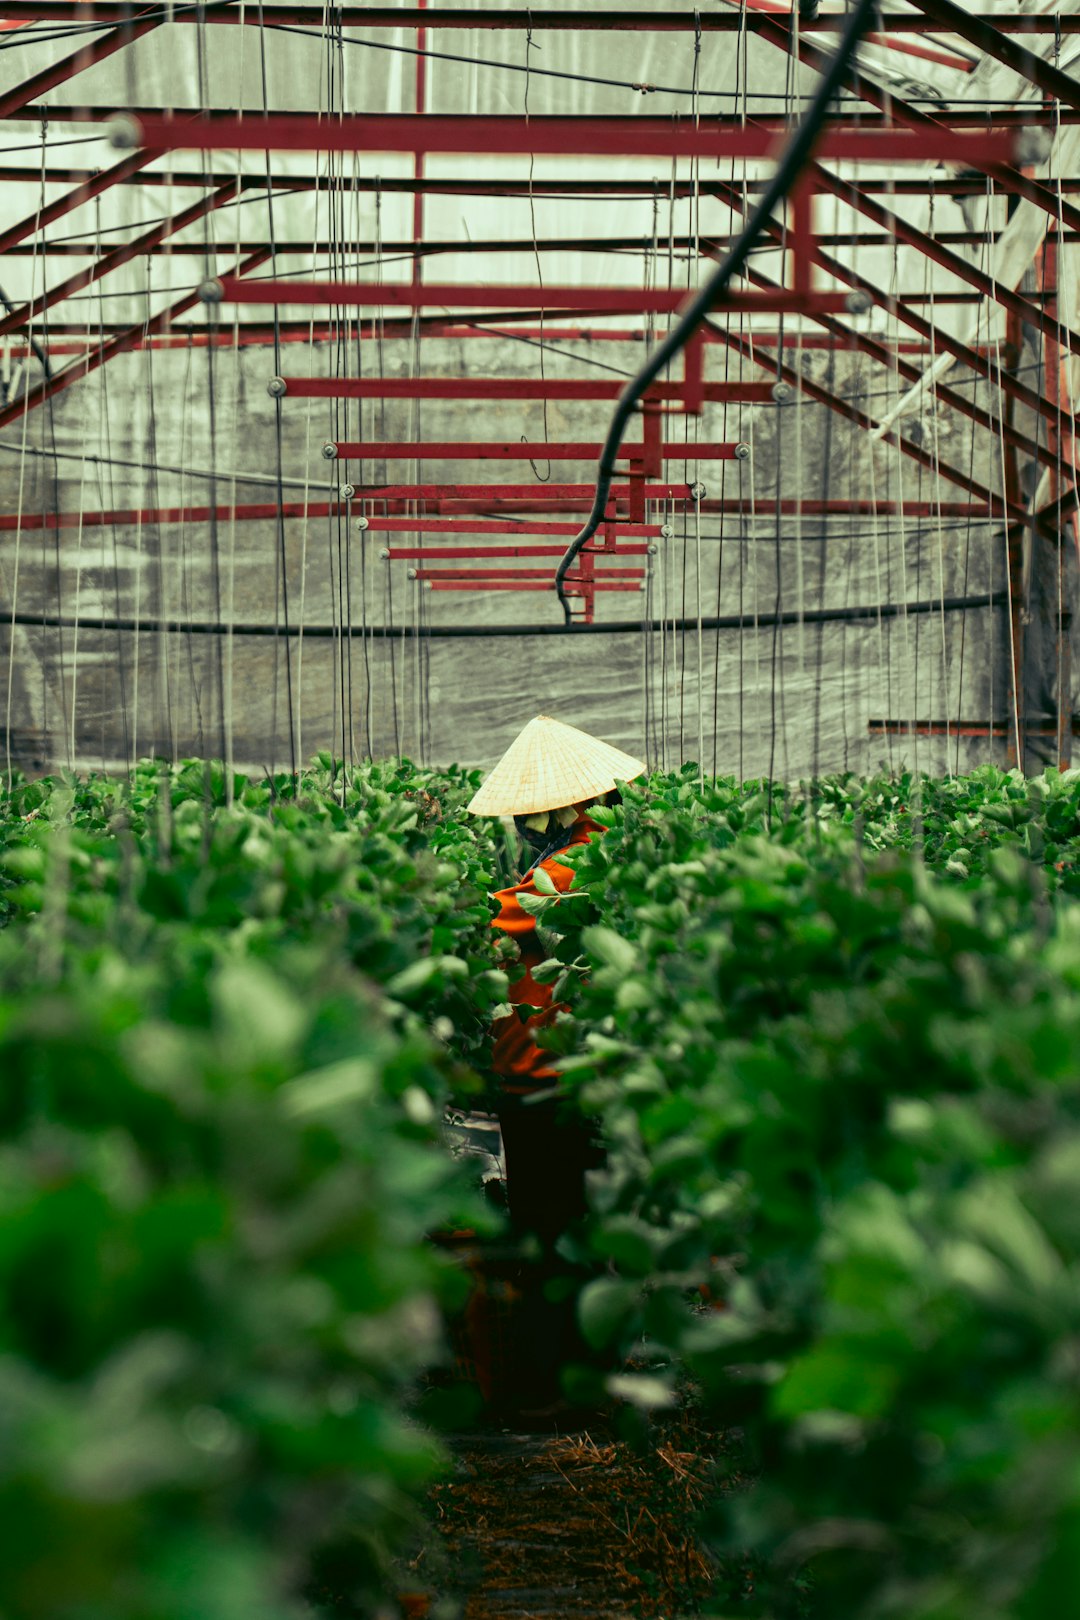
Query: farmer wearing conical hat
(546, 780)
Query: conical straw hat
(550, 765)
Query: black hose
(710, 292)
(870, 613)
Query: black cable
(708, 295)
(477, 632)
(40, 354)
(612, 84)
(35, 146)
(44, 33)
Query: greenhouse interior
(539, 842)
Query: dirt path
(579, 1526)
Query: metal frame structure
(822, 295)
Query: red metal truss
(131, 338)
(519, 19)
(463, 513)
(235, 289)
(515, 450)
(494, 186)
(556, 134)
(551, 388)
(986, 35)
(19, 318)
(39, 84)
(91, 186)
(876, 349)
(935, 249)
(998, 506)
(981, 358)
(886, 100)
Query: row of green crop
(840, 1091)
(832, 1036)
(227, 1032)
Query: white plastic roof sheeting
(228, 68)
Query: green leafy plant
(229, 1022)
(836, 1085)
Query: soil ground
(579, 1526)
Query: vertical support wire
(1065, 313)
(694, 267)
(937, 508)
(282, 642)
(1014, 671)
(23, 458)
(982, 309)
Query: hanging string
(36, 241)
(282, 643)
(945, 705)
(695, 267)
(1065, 395)
(163, 696)
(529, 47)
(109, 501)
(72, 738)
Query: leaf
(609, 947)
(547, 972)
(605, 1308)
(543, 881)
(536, 904)
(353, 1080)
(651, 1394)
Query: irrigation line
(795, 158)
(868, 614)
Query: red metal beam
(573, 589)
(507, 388)
(446, 295)
(520, 503)
(586, 19)
(629, 245)
(607, 577)
(534, 498)
(72, 337)
(963, 728)
(876, 123)
(488, 450)
(555, 134)
(469, 553)
(523, 525)
(130, 517)
(557, 186)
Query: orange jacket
(524, 1065)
